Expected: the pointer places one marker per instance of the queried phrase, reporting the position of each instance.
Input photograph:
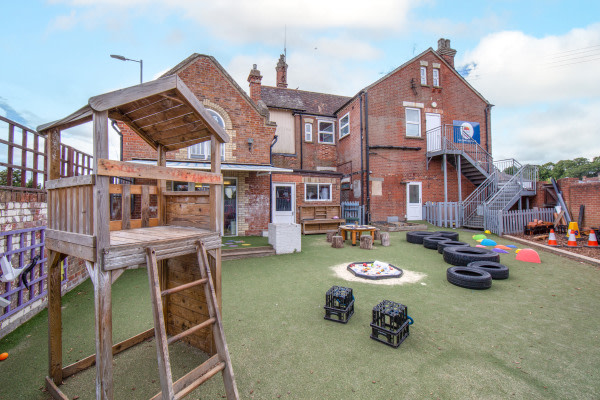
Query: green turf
(533, 336)
(253, 241)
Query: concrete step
(250, 252)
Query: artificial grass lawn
(253, 241)
(533, 336)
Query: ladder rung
(193, 385)
(193, 329)
(183, 287)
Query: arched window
(202, 150)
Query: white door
(414, 207)
(284, 203)
(433, 129)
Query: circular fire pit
(374, 270)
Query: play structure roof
(162, 112)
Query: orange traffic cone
(572, 241)
(592, 241)
(552, 239)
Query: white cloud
(262, 20)
(512, 68)
(562, 131)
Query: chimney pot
(255, 78)
(445, 51)
(281, 69)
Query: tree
(576, 168)
(16, 179)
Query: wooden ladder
(219, 362)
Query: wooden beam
(89, 361)
(81, 180)
(132, 170)
(117, 98)
(216, 192)
(54, 318)
(101, 278)
(54, 390)
(77, 238)
(161, 186)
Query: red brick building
(291, 147)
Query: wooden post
(366, 242)
(54, 299)
(337, 242)
(385, 239)
(100, 278)
(161, 186)
(216, 211)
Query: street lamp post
(118, 57)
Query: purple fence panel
(20, 247)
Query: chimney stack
(445, 51)
(254, 78)
(281, 72)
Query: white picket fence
(509, 222)
(446, 214)
(450, 215)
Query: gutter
(362, 171)
(368, 213)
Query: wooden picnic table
(356, 231)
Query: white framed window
(317, 191)
(345, 125)
(413, 122)
(308, 132)
(423, 75)
(202, 150)
(326, 132)
(436, 77)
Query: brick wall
(386, 109)
(575, 193)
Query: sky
(538, 62)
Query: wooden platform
(128, 247)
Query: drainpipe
(362, 174)
(301, 142)
(368, 219)
(271, 177)
(114, 125)
(486, 112)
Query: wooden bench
(320, 219)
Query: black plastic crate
(390, 321)
(339, 302)
(389, 337)
(389, 315)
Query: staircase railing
(523, 180)
(454, 140)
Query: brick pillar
(445, 51)
(281, 72)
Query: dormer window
(202, 150)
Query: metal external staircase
(500, 184)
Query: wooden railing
(122, 213)
(25, 162)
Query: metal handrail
(513, 188)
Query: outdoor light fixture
(118, 57)
(250, 142)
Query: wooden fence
(510, 222)
(444, 214)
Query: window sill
(415, 137)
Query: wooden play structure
(183, 255)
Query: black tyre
(496, 270)
(450, 235)
(443, 245)
(470, 278)
(416, 237)
(431, 242)
(462, 255)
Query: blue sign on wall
(465, 131)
